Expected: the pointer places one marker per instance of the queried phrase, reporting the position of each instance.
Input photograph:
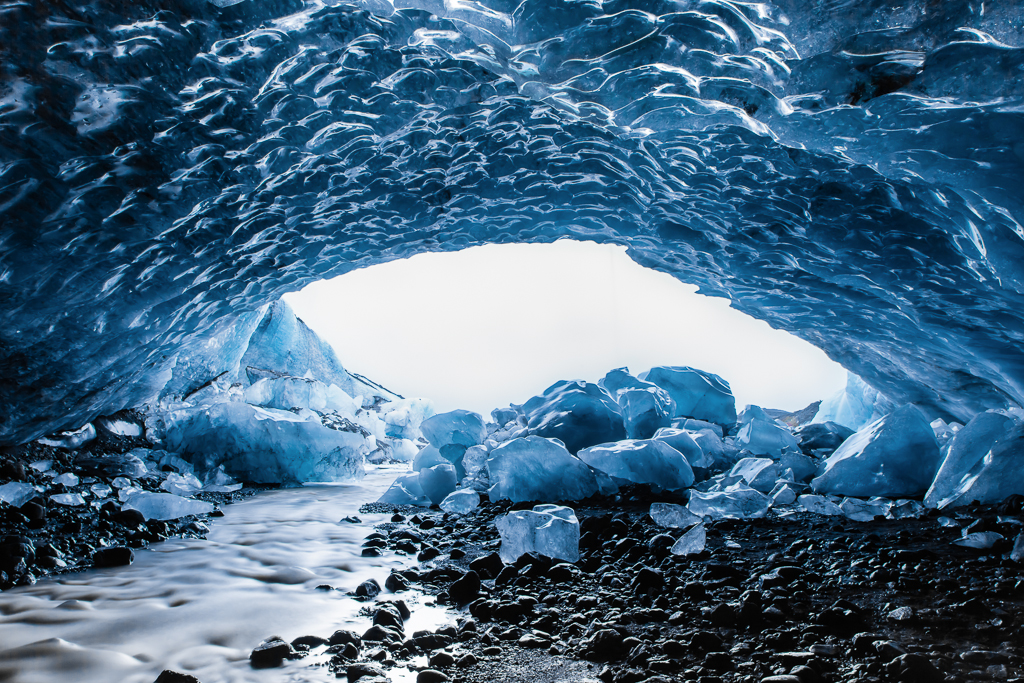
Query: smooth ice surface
(697, 394)
(533, 468)
(165, 505)
(819, 505)
(864, 510)
(692, 542)
(461, 502)
(683, 441)
(438, 481)
(759, 473)
(765, 437)
(982, 540)
(998, 474)
(895, 456)
(577, 413)
(739, 501)
(69, 499)
(856, 406)
(829, 169)
(972, 444)
(641, 462)
(672, 516)
(16, 493)
(550, 530)
(645, 407)
(405, 490)
(455, 428)
(266, 445)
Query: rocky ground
(798, 599)
(43, 537)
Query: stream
(201, 606)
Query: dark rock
(466, 660)
(131, 519)
(506, 575)
(388, 616)
(604, 645)
(270, 653)
(465, 590)
(781, 679)
(661, 542)
(430, 676)
(562, 572)
(117, 556)
(308, 642)
(706, 641)
(441, 660)
(372, 552)
(396, 583)
(368, 589)
(343, 637)
(492, 651)
(357, 671)
(456, 553)
(487, 566)
(719, 661)
(648, 580)
(352, 520)
(914, 668)
(431, 641)
(383, 634)
(428, 553)
(168, 676)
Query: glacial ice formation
(972, 445)
(550, 530)
(849, 172)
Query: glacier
(166, 171)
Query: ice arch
(166, 167)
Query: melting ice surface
(201, 606)
(849, 172)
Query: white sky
(486, 326)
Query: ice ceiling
(844, 170)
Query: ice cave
(195, 486)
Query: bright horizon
(488, 326)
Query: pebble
(430, 676)
(168, 676)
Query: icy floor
(201, 606)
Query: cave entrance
(484, 326)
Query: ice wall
(848, 172)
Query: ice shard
(549, 530)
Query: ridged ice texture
(844, 170)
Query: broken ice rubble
(672, 516)
(577, 413)
(165, 505)
(405, 490)
(642, 462)
(550, 530)
(895, 456)
(17, 494)
(461, 502)
(864, 510)
(738, 501)
(819, 505)
(645, 407)
(692, 542)
(759, 473)
(683, 441)
(533, 468)
(765, 437)
(697, 394)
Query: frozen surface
(438, 481)
(165, 505)
(864, 510)
(550, 530)
(641, 462)
(697, 394)
(165, 175)
(819, 505)
(405, 490)
(895, 456)
(739, 501)
(855, 406)
(976, 442)
(765, 437)
(673, 516)
(533, 468)
(645, 407)
(17, 494)
(999, 472)
(577, 413)
(461, 502)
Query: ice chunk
(502, 416)
(120, 427)
(719, 454)
(642, 462)
(819, 505)
(906, 509)
(759, 473)
(405, 490)
(672, 516)
(165, 505)
(855, 406)
(267, 446)
(762, 437)
(114, 464)
(121, 482)
(66, 479)
(438, 481)
(783, 494)
(894, 456)
(402, 418)
(550, 530)
(691, 425)
(822, 436)
(682, 441)
(533, 468)
(219, 481)
(971, 461)
(455, 428)
(461, 502)
(739, 501)
(181, 484)
(579, 414)
(692, 542)
(697, 394)
(474, 459)
(802, 467)
(69, 499)
(1017, 553)
(293, 393)
(100, 490)
(864, 510)
(428, 457)
(981, 540)
(17, 494)
(403, 450)
(70, 440)
(645, 407)
(752, 412)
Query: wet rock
(648, 580)
(914, 668)
(357, 671)
(345, 637)
(430, 676)
(465, 590)
(168, 676)
(308, 642)
(270, 653)
(488, 566)
(428, 553)
(368, 589)
(466, 660)
(396, 583)
(117, 556)
(389, 617)
(382, 634)
(441, 660)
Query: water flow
(200, 606)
